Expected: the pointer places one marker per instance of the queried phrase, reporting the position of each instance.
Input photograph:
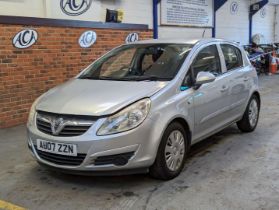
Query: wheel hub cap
(253, 112)
(175, 150)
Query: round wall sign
(87, 39)
(25, 38)
(75, 7)
(263, 12)
(234, 8)
(132, 37)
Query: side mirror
(204, 78)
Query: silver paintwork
(204, 78)
(206, 110)
(78, 97)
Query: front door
(211, 101)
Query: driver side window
(207, 60)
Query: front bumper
(141, 142)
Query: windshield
(138, 62)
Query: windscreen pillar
(254, 8)
(217, 4)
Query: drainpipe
(155, 19)
(254, 8)
(217, 4)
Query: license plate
(57, 148)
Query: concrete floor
(230, 170)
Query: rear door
(239, 78)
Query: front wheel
(171, 154)
(251, 116)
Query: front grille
(119, 159)
(72, 125)
(43, 126)
(61, 159)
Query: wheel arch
(257, 94)
(185, 124)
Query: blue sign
(75, 7)
(87, 39)
(25, 38)
(234, 8)
(132, 37)
(263, 12)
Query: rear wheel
(171, 154)
(251, 116)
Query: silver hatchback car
(141, 106)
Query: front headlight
(32, 112)
(127, 119)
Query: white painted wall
(265, 25)
(29, 8)
(229, 26)
(168, 32)
(233, 26)
(135, 11)
(276, 24)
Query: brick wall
(54, 58)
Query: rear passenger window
(207, 60)
(233, 56)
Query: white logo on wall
(132, 37)
(25, 38)
(234, 8)
(87, 39)
(263, 12)
(75, 7)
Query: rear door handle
(245, 79)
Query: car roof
(182, 41)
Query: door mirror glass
(204, 77)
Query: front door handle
(224, 88)
(245, 79)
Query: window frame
(241, 56)
(89, 67)
(194, 56)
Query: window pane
(140, 61)
(117, 64)
(233, 57)
(207, 60)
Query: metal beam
(155, 18)
(217, 4)
(254, 8)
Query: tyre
(171, 153)
(251, 116)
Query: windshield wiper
(132, 78)
(149, 78)
(99, 78)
